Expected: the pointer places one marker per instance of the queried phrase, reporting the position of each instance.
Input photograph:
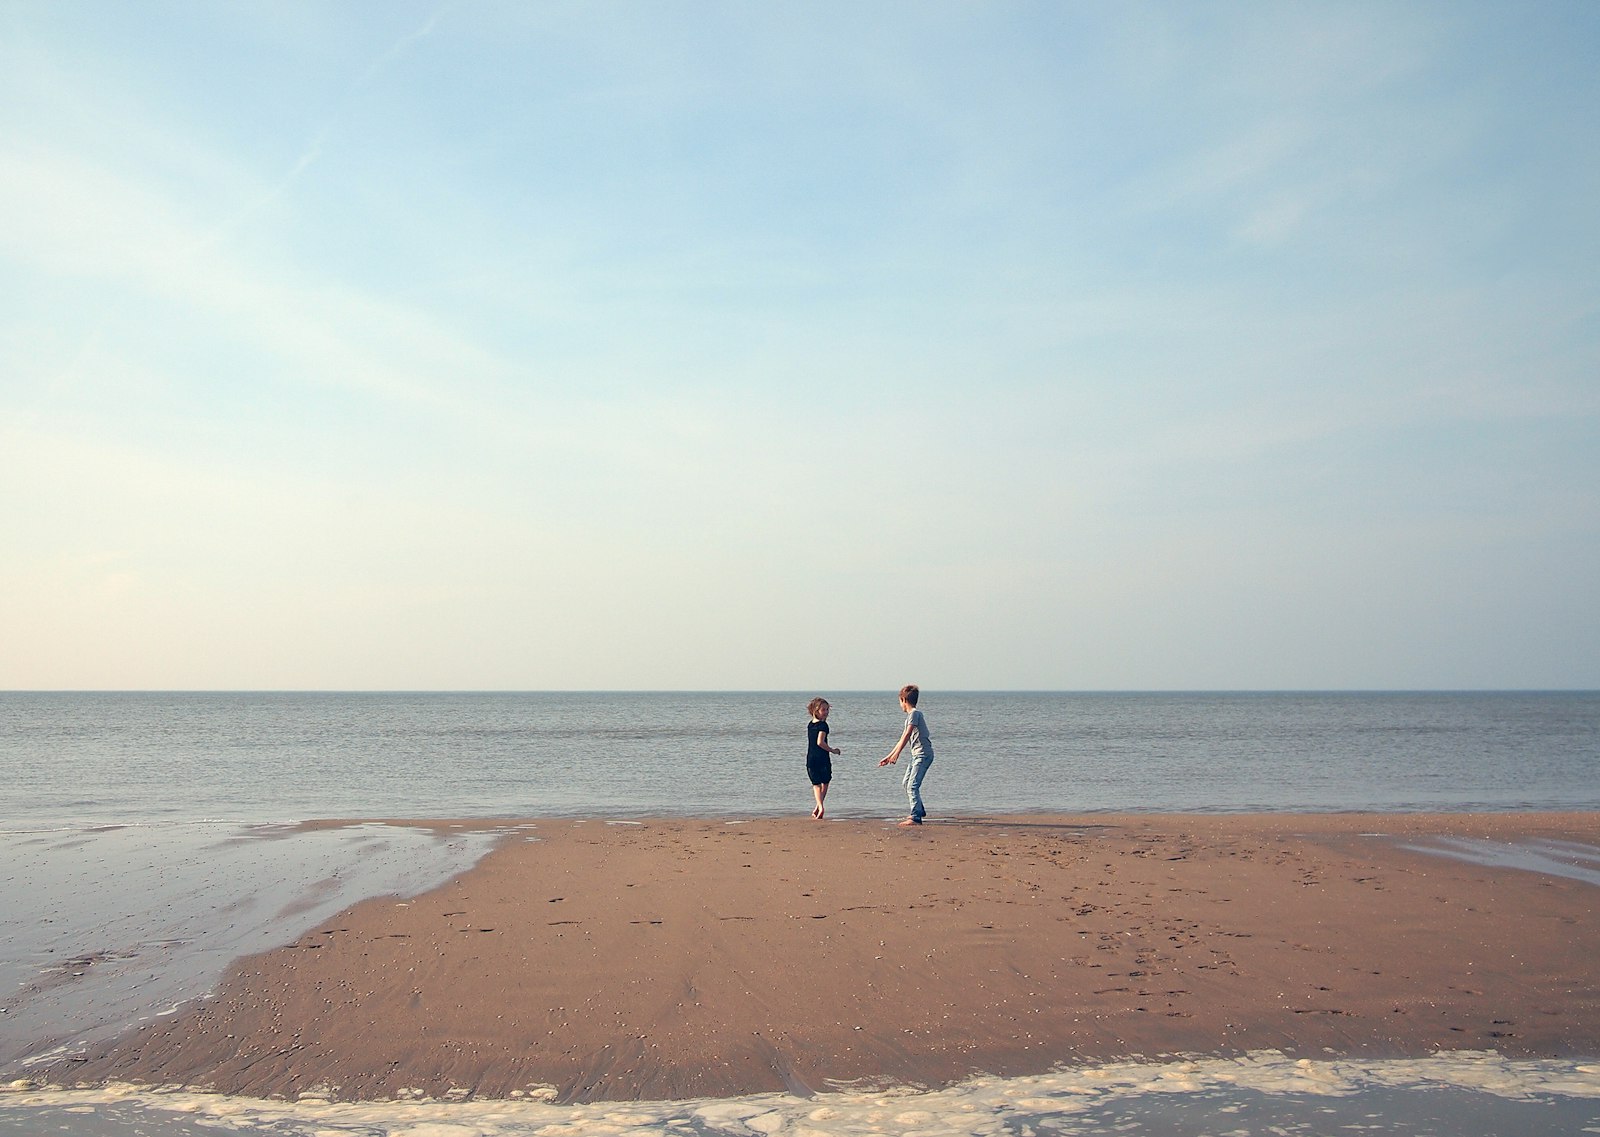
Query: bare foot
(909, 821)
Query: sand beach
(662, 959)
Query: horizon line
(796, 690)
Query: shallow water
(1569, 859)
(100, 930)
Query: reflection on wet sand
(1571, 859)
(104, 928)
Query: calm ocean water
(70, 759)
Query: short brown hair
(817, 706)
(909, 693)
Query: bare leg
(821, 792)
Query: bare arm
(894, 755)
(822, 741)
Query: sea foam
(1264, 1092)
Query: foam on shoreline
(1263, 1092)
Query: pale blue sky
(799, 345)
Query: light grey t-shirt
(920, 743)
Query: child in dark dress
(819, 755)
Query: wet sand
(103, 927)
(699, 958)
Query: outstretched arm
(894, 755)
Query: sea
(147, 839)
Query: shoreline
(668, 958)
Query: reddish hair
(817, 706)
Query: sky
(799, 345)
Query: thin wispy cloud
(326, 134)
(400, 49)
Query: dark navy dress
(819, 763)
